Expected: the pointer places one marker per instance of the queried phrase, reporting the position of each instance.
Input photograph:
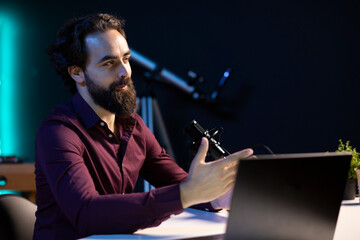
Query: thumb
(201, 153)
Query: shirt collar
(85, 112)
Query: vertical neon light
(8, 81)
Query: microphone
(196, 132)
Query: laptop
(288, 196)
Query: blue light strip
(8, 81)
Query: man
(90, 151)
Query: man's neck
(106, 116)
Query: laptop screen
(288, 196)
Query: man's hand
(208, 181)
(224, 201)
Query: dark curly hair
(68, 48)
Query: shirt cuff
(168, 200)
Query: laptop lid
(288, 196)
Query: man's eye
(126, 59)
(110, 63)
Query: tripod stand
(151, 114)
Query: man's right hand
(208, 181)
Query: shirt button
(110, 135)
(102, 123)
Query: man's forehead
(109, 42)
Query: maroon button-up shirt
(85, 175)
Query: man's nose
(124, 71)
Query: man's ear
(77, 74)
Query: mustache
(126, 81)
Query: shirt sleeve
(160, 169)
(59, 158)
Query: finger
(201, 153)
(227, 175)
(235, 157)
(231, 176)
(228, 186)
(233, 165)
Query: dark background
(295, 79)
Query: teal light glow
(3, 192)
(2, 183)
(8, 82)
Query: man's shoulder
(61, 123)
(62, 113)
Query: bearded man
(91, 150)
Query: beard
(121, 102)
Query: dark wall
(295, 79)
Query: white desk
(190, 223)
(194, 223)
(348, 224)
